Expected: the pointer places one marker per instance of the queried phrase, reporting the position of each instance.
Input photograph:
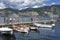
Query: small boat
(44, 25)
(21, 29)
(6, 30)
(33, 27)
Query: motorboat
(6, 30)
(44, 25)
(21, 29)
(33, 27)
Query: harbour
(33, 29)
(29, 20)
(25, 27)
(42, 34)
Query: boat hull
(5, 30)
(44, 25)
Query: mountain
(42, 11)
(7, 11)
(54, 10)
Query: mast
(52, 10)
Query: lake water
(41, 34)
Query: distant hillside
(8, 11)
(56, 9)
(40, 11)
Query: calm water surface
(41, 34)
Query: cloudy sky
(23, 4)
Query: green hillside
(51, 10)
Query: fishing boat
(6, 30)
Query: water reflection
(41, 34)
(8, 37)
(36, 31)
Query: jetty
(28, 22)
(25, 26)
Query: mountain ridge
(40, 10)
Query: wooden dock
(6, 24)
